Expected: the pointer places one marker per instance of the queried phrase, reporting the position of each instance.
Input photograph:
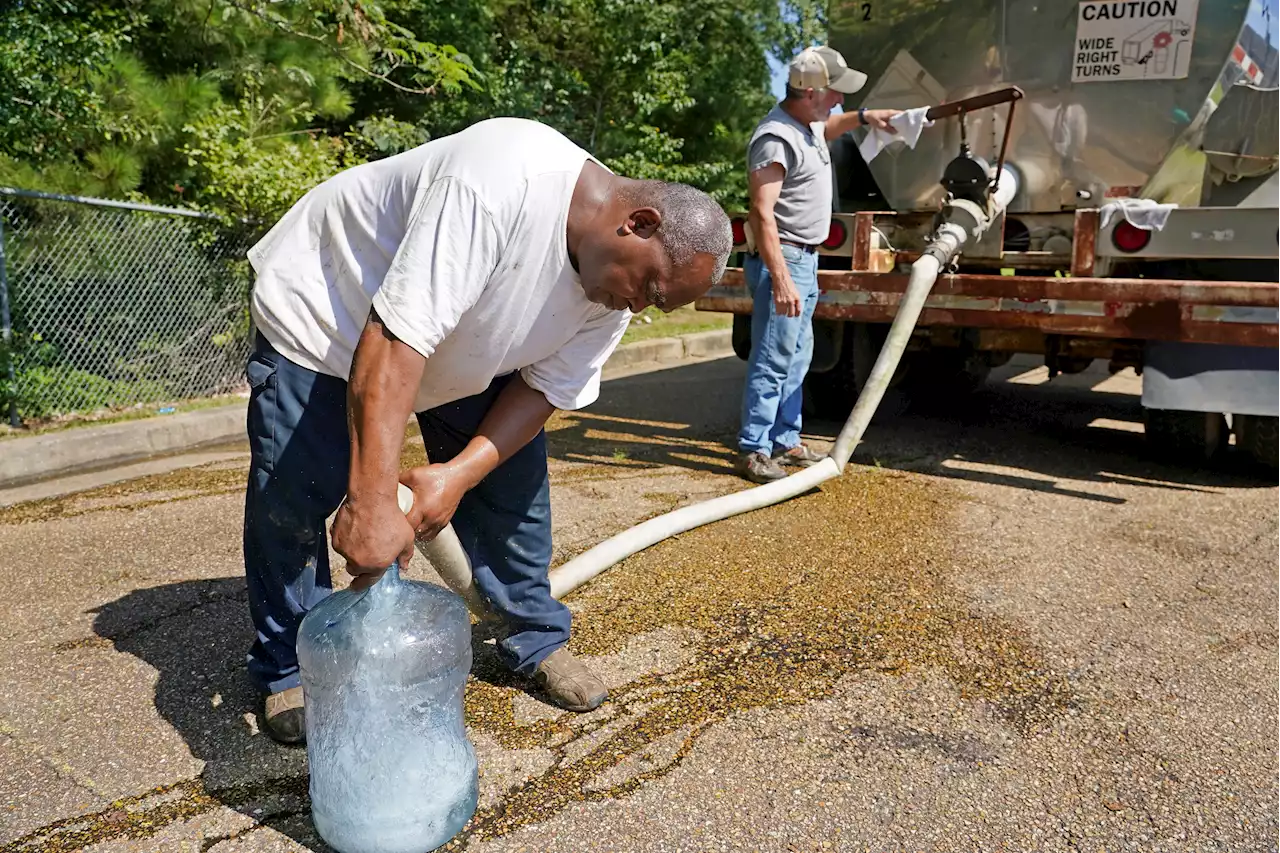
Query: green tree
(238, 106)
(655, 89)
(163, 99)
(49, 50)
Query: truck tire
(831, 394)
(1186, 437)
(1258, 435)
(943, 378)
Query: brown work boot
(759, 468)
(569, 683)
(284, 717)
(800, 456)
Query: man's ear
(643, 222)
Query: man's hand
(786, 299)
(880, 119)
(840, 124)
(371, 535)
(437, 489)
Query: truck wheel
(1258, 435)
(1198, 437)
(830, 395)
(943, 378)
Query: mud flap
(1211, 378)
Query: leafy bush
(43, 392)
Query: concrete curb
(83, 449)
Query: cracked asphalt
(1008, 627)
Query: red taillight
(835, 235)
(739, 231)
(1130, 238)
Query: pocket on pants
(262, 415)
(792, 254)
(259, 372)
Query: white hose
(924, 272)
(587, 565)
(450, 560)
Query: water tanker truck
(1142, 136)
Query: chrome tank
(1073, 144)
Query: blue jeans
(781, 349)
(297, 426)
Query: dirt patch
(783, 608)
(215, 478)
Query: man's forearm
(842, 123)
(769, 244)
(385, 375)
(517, 415)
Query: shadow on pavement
(195, 635)
(1038, 435)
(646, 421)
(1043, 432)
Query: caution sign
(1133, 40)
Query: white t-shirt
(460, 245)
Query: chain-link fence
(108, 305)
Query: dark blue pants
(297, 428)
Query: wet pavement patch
(217, 478)
(787, 602)
(143, 816)
(777, 607)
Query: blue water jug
(383, 673)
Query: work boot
(284, 717)
(759, 468)
(800, 456)
(569, 683)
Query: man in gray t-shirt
(789, 169)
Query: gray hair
(692, 222)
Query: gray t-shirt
(803, 211)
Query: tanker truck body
(1144, 228)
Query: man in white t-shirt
(481, 281)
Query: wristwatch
(862, 115)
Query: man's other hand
(880, 119)
(371, 535)
(786, 299)
(437, 489)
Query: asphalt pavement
(1006, 627)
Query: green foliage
(40, 388)
(666, 89)
(49, 50)
(240, 106)
(243, 166)
(171, 101)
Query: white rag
(908, 124)
(1141, 213)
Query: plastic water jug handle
(392, 572)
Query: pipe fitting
(948, 240)
(968, 215)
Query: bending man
(481, 281)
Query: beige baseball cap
(824, 68)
